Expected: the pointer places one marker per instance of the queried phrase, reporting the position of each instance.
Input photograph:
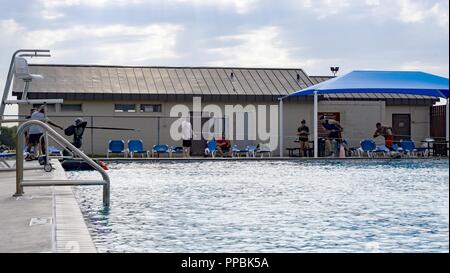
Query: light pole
(334, 70)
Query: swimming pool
(271, 206)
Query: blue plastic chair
(251, 151)
(52, 150)
(368, 146)
(212, 147)
(3, 156)
(236, 152)
(176, 150)
(161, 149)
(135, 146)
(382, 150)
(264, 149)
(116, 147)
(408, 146)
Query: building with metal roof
(142, 98)
(94, 82)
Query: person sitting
(386, 132)
(335, 133)
(303, 138)
(223, 146)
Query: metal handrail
(20, 182)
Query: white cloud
(440, 12)
(373, 2)
(441, 69)
(95, 3)
(405, 11)
(241, 6)
(109, 44)
(262, 47)
(9, 27)
(322, 8)
(140, 45)
(411, 11)
(52, 8)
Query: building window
(51, 108)
(125, 108)
(71, 108)
(151, 108)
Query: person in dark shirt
(333, 127)
(335, 130)
(77, 130)
(303, 138)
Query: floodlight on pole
(334, 70)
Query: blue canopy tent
(393, 82)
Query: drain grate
(40, 221)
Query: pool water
(276, 206)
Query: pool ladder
(20, 182)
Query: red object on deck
(103, 165)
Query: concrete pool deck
(44, 219)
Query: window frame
(71, 110)
(158, 106)
(122, 111)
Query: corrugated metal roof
(133, 82)
(319, 79)
(164, 80)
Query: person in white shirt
(186, 132)
(35, 133)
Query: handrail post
(19, 165)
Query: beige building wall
(420, 119)
(357, 118)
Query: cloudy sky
(308, 34)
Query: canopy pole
(447, 120)
(316, 121)
(281, 127)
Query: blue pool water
(347, 206)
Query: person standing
(27, 134)
(187, 134)
(77, 130)
(335, 134)
(386, 132)
(36, 132)
(303, 138)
